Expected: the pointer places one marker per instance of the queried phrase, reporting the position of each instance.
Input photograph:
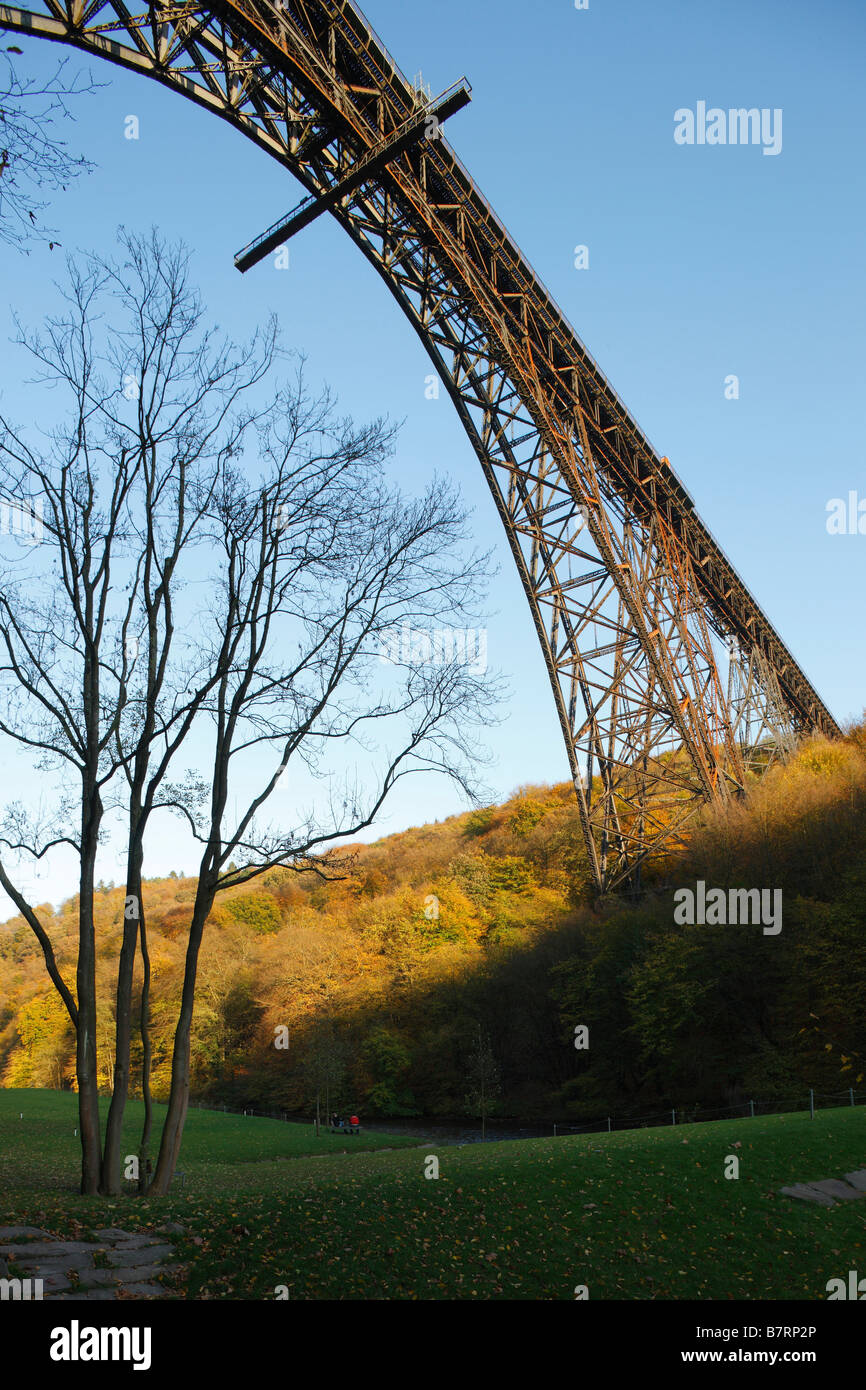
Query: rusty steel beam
(314, 206)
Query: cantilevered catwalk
(670, 684)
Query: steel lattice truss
(670, 683)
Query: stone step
(86, 1296)
(134, 1240)
(57, 1262)
(807, 1193)
(135, 1260)
(50, 1247)
(56, 1280)
(119, 1275)
(144, 1255)
(841, 1191)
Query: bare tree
(317, 569)
(55, 619)
(220, 578)
(86, 620)
(484, 1080)
(34, 159)
(324, 1067)
(186, 385)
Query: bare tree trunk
(178, 1099)
(111, 1160)
(144, 1146)
(483, 1107)
(85, 1052)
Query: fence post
(811, 1104)
(851, 1093)
(752, 1108)
(674, 1117)
(608, 1124)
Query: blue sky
(704, 262)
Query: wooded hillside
(471, 944)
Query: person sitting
(354, 1125)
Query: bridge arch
(664, 671)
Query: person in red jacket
(355, 1123)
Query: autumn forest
(472, 945)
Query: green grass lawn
(640, 1214)
(51, 1118)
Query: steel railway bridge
(670, 684)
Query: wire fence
(697, 1114)
(258, 1114)
(682, 1115)
(283, 1115)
